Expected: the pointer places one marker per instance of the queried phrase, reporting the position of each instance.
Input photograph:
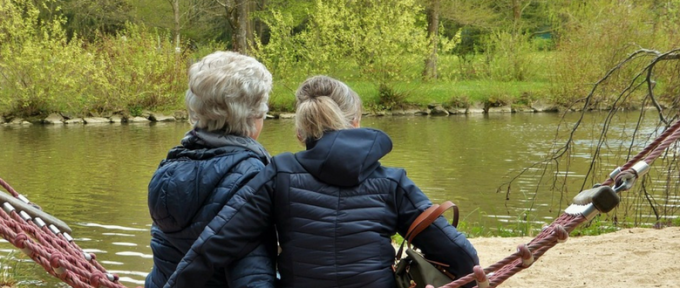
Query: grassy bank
(420, 94)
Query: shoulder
(235, 170)
(286, 162)
(253, 160)
(389, 173)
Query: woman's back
(336, 209)
(182, 202)
(227, 102)
(335, 235)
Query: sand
(635, 257)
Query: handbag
(414, 270)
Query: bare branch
(645, 77)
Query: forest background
(98, 57)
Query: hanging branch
(562, 152)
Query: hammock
(47, 240)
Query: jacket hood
(345, 157)
(192, 184)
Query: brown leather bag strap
(422, 218)
(425, 219)
(433, 216)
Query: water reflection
(94, 177)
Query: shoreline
(434, 110)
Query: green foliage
(384, 40)
(597, 226)
(12, 270)
(389, 99)
(90, 19)
(509, 56)
(33, 52)
(42, 72)
(282, 97)
(525, 99)
(141, 70)
(520, 229)
(299, 10)
(458, 101)
(54, 59)
(418, 93)
(593, 37)
(396, 238)
(675, 222)
(284, 49)
(498, 101)
(7, 271)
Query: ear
(356, 123)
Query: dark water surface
(94, 177)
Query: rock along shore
(434, 109)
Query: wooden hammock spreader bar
(46, 240)
(585, 206)
(33, 212)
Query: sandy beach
(634, 257)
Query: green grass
(492, 228)
(474, 90)
(423, 93)
(469, 81)
(478, 230)
(9, 270)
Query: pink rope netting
(52, 249)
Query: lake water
(94, 177)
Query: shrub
(389, 99)
(43, 72)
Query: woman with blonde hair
(335, 207)
(227, 103)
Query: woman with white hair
(227, 103)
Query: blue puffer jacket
(335, 208)
(185, 193)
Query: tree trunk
(250, 34)
(516, 10)
(516, 16)
(175, 11)
(242, 26)
(260, 25)
(430, 71)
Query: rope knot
(55, 262)
(527, 256)
(480, 277)
(561, 233)
(19, 240)
(54, 259)
(96, 279)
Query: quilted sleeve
(440, 242)
(232, 234)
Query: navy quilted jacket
(185, 193)
(335, 208)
